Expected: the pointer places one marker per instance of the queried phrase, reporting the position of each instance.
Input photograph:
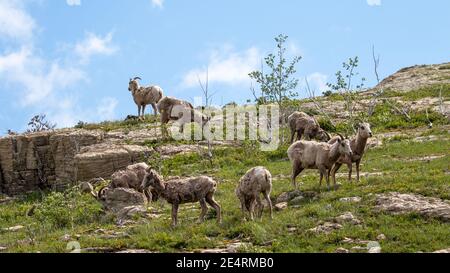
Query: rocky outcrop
(419, 76)
(54, 159)
(397, 203)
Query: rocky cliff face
(416, 77)
(56, 159)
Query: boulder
(281, 206)
(116, 200)
(350, 199)
(398, 203)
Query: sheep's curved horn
(342, 138)
(328, 134)
(137, 78)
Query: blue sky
(71, 59)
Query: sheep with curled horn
(314, 155)
(358, 145)
(145, 95)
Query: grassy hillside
(397, 165)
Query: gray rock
(350, 199)
(14, 229)
(326, 228)
(398, 203)
(342, 250)
(281, 206)
(349, 218)
(116, 200)
(296, 201)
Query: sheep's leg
(204, 210)
(295, 172)
(358, 164)
(327, 177)
(320, 181)
(210, 200)
(139, 111)
(143, 111)
(243, 209)
(155, 109)
(292, 136)
(260, 207)
(299, 135)
(350, 171)
(267, 197)
(174, 215)
(336, 168)
(252, 210)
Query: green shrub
(64, 210)
(327, 125)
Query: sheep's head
(133, 84)
(364, 130)
(323, 136)
(344, 146)
(152, 179)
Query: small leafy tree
(344, 86)
(39, 123)
(278, 85)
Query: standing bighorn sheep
(132, 178)
(302, 124)
(188, 190)
(255, 182)
(181, 111)
(144, 95)
(314, 155)
(358, 145)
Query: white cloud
(95, 45)
(15, 22)
(317, 82)
(37, 77)
(158, 3)
(106, 108)
(73, 2)
(226, 66)
(45, 85)
(374, 2)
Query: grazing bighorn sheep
(358, 145)
(302, 124)
(188, 190)
(255, 182)
(132, 178)
(181, 111)
(314, 155)
(144, 95)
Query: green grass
(425, 92)
(69, 213)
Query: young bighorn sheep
(314, 155)
(302, 124)
(358, 145)
(188, 190)
(145, 95)
(181, 111)
(132, 178)
(255, 182)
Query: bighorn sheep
(188, 190)
(358, 145)
(144, 96)
(302, 124)
(255, 182)
(314, 155)
(181, 111)
(132, 178)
